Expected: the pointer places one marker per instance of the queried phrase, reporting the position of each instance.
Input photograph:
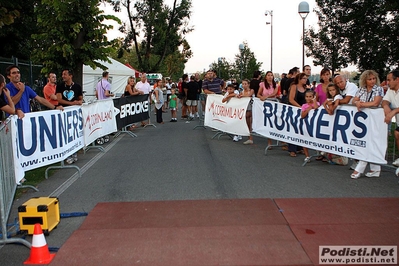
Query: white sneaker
(197, 115)
(397, 172)
(396, 163)
(75, 157)
(69, 160)
(236, 138)
(239, 137)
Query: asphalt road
(174, 161)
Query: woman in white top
(159, 100)
(369, 95)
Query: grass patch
(33, 178)
(391, 149)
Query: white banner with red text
(98, 120)
(229, 117)
(46, 137)
(355, 134)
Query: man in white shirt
(390, 104)
(143, 85)
(145, 88)
(348, 89)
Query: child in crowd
(173, 105)
(247, 92)
(311, 103)
(231, 92)
(333, 97)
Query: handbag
(337, 159)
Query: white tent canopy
(118, 76)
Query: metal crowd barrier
(8, 184)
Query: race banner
(98, 120)
(351, 133)
(47, 137)
(229, 117)
(131, 109)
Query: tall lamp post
(270, 12)
(241, 47)
(303, 11)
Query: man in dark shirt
(307, 70)
(69, 93)
(282, 81)
(213, 85)
(255, 81)
(286, 86)
(183, 96)
(199, 82)
(191, 92)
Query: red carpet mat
(208, 232)
(343, 221)
(227, 232)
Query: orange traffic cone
(39, 253)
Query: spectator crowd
(189, 94)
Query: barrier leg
(93, 146)
(149, 118)
(62, 166)
(124, 130)
(201, 120)
(274, 145)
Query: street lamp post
(303, 11)
(241, 47)
(270, 12)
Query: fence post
(8, 185)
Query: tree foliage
(244, 65)
(155, 31)
(361, 32)
(9, 11)
(16, 29)
(72, 33)
(246, 62)
(327, 46)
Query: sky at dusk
(221, 25)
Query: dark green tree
(243, 67)
(224, 69)
(72, 33)
(155, 30)
(8, 12)
(372, 33)
(327, 46)
(245, 63)
(16, 29)
(362, 32)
